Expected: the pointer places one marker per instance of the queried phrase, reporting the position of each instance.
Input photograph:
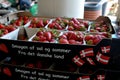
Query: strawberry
(66, 21)
(71, 23)
(25, 18)
(89, 37)
(34, 20)
(72, 41)
(98, 29)
(18, 23)
(25, 22)
(70, 28)
(20, 18)
(10, 28)
(45, 21)
(58, 19)
(86, 24)
(63, 36)
(40, 23)
(51, 25)
(7, 71)
(48, 35)
(3, 48)
(42, 38)
(30, 65)
(1, 26)
(96, 40)
(36, 38)
(58, 26)
(39, 33)
(75, 21)
(63, 41)
(72, 35)
(3, 32)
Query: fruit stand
(57, 48)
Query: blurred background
(92, 8)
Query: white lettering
(61, 50)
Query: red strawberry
(45, 21)
(30, 65)
(1, 26)
(63, 41)
(39, 33)
(89, 37)
(3, 48)
(10, 28)
(42, 38)
(40, 23)
(96, 40)
(59, 18)
(34, 20)
(75, 20)
(48, 35)
(70, 28)
(72, 35)
(51, 25)
(7, 71)
(98, 28)
(63, 36)
(72, 41)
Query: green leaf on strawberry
(55, 33)
(12, 21)
(90, 42)
(82, 29)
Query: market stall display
(58, 54)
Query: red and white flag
(102, 59)
(87, 52)
(90, 60)
(105, 49)
(84, 78)
(100, 77)
(78, 61)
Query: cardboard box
(59, 54)
(45, 74)
(5, 20)
(12, 35)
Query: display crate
(25, 59)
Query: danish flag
(78, 61)
(100, 77)
(102, 59)
(90, 60)
(105, 49)
(84, 78)
(86, 52)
